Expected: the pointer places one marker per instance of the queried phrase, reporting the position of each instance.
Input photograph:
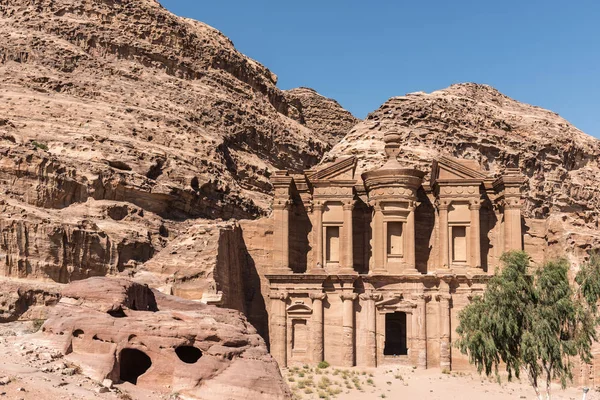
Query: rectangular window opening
(332, 241)
(395, 246)
(459, 243)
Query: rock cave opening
(118, 313)
(134, 363)
(78, 333)
(188, 354)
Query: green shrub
(323, 365)
(39, 145)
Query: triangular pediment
(446, 168)
(339, 170)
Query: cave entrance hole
(134, 363)
(188, 354)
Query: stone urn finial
(392, 145)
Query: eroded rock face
(125, 103)
(560, 163)
(27, 300)
(324, 116)
(119, 330)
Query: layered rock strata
(120, 123)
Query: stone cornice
(336, 168)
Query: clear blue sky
(361, 53)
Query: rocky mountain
(319, 113)
(561, 163)
(121, 123)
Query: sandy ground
(32, 372)
(408, 383)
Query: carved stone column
(475, 207)
(422, 329)
(278, 331)
(348, 253)
(378, 241)
(512, 224)
(508, 187)
(317, 263)
(445, 329)
(348, 329)
(410, 239)
(369, 300)
(317, 326)
(281, 236)
(443, 233)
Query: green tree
(533, 323)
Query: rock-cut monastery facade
(373, 269)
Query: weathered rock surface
(21, 300)
(159, 118)
(324, 116)
(560, 162)
(115, 329)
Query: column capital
(281, 204)
(421, 297)
(370, 296)
(318, 205)
(475, 204)
(443, 297)
(348, 205)
(512, 203)
(348, 296)
(377, 206)
(279, 295)
(442, 204)
(317, 296)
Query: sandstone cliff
(121, 123)
(322, 115)
(561, 163)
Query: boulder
(116, 329)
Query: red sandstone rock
(125, 103)
(119, 330)
(324, 116)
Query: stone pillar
(445, 329)
(317, 326)
(512, 224)
(347, 245)
(410, 239)
(509, 188)
(369, 300)
(378, 240)
(317, 263)
(443, 231)
(475, 207)
(348, 329)
(422, 330)
(281, 236)
(278, 331)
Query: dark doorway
(395, 334)
(134, 363)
